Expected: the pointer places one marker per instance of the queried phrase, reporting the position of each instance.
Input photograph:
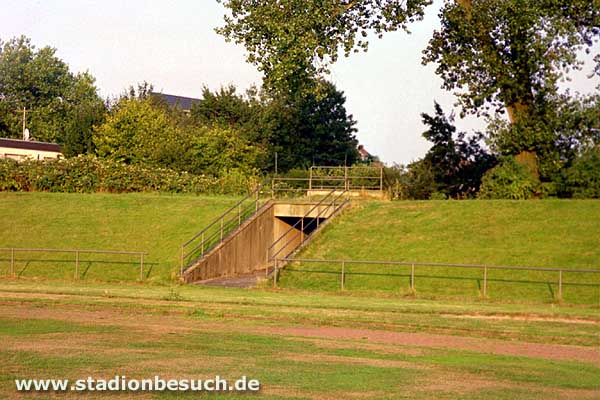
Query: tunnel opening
(309, 226)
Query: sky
(173, 45)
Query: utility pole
(24, 111)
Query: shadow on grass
(86, 264)
(477, 280)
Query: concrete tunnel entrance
(309, 225)
(277, 229)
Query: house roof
(363, 152)
(185, 103)
(29, 145)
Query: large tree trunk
(516, 110)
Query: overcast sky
(172, 44)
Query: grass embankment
(562, 234)
(297, 345)
(157, 224)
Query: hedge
(87, 174)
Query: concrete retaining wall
(245, 250)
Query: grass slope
(154, 223)
(533, 233)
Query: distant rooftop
(185, 103)
(29, 145)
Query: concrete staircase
(247, 238)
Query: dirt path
(176, 322)
(488, 346)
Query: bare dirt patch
(488, 346)
(372, 362)
(374, 347)
(526, 318)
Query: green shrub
(508, 180)
(87, 174)
(582, 179)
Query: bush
(86, 174)
(582, 179)
(508, 180)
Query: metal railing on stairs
(214, 234)
(333, 202)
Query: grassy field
(157, 224)
(562, 234)
(298, 345)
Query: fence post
(381, 179)
(221, 228)
(310, 179)
(141, 266)
(343, 274)
(202, 244)
(272, 188)
(256, 200)
(267, 264)
(275, 275)
(346, 183)
(302, 230)
(560, 285)
(181, 262)
(484, 282)
(76, 264)
(239, 215)
(12, 262)
(412, 276)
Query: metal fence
(317, 178)
(342, 270)
(213, 234)
(77, 253)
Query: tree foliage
(64, 106)
(511, 54)
(311, 129)
(509, 180)
(292, 41)
(456, 161)
(302, 129)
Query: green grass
(561, 234)
(102, 330)
(157, 224)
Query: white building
(24, 149)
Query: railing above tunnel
(319, 180)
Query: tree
(293, 41)
(217, 150)
(64, 106)
(456, 161)
(86, 110)
(223, 107)
(511, 54)
(303, 129)
(568, 126)
(310, 129)
(138, 132)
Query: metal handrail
(413, 264)
(231, 218)
(291, 228)
(319, 181)
(253, 193)
(77, 252)
(303, 227)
